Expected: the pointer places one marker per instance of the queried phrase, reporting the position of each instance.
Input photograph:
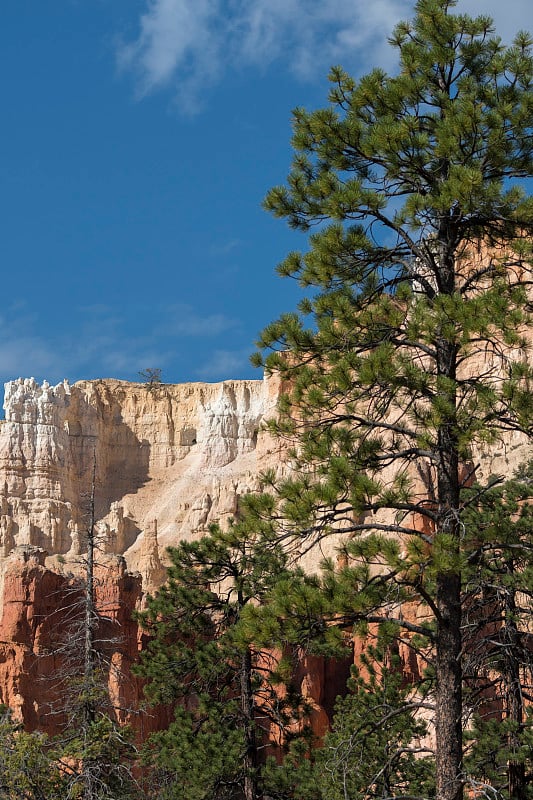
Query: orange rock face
(41, 648)
(42, 610)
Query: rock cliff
(165, 461)
(41, 611)
(168, 460)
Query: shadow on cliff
(109, 454)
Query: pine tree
(29, 765)
(410, 351)
(376, 747)
(226, 689)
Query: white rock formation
(169, 460)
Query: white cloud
(191, 43)
(175, 36)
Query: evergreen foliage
(409, 356)
(29, 769)
(376, 747)
(225, 688)
(498, 661)
(410, 352)
(34, 767)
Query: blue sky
(139, 138)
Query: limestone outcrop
(166, 460)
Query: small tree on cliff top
(416, 353)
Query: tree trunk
(89, 700)
(89, 650)
(448, 717)
(448, 698)
(513, 692)
(247, 706)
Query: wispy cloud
(223, 248)
(224, 364)
(176, 36)
(97, 343)
(190, 44)
(180, 319)
(100, 343)
(105, 345)
(27, 357)
(25, 350)
(509, 17)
